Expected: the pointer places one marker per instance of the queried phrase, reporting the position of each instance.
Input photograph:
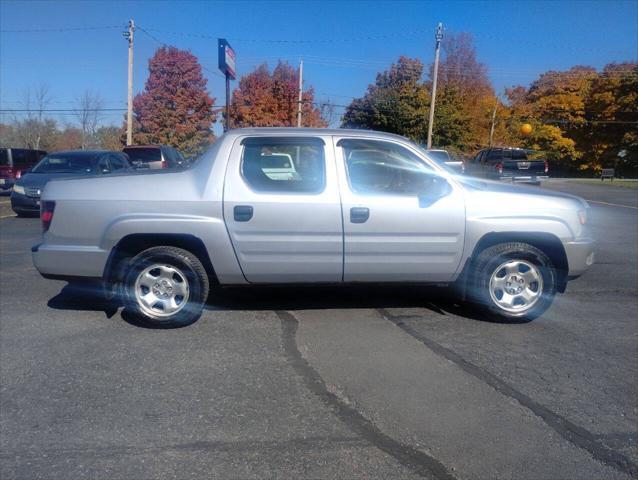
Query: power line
(67, 29)
(294, 41)
(75, 110)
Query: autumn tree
(70, 138)
(175, 108)
(465, 78)
(611, 110)
(397, 102)
(109, 138)
(581, 119)
(265, 99)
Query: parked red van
(15, 161)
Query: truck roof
(310, 131)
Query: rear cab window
(284, 164)
(19, 156)
(143, 155)
(518, 154)
(494, 156)
(4, 157)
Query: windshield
(61, 163)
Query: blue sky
(343, 44)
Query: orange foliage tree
(175, 108)
(265, 99)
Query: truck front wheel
(165, 287)
(514, 281)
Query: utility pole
(129, 110)
(300, 93)
(438, 36)
(493, 121)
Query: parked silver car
(362, 206)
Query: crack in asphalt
(248, 446)
(408, 456)
(571, 432)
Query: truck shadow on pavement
(436, 300)
(86, 297)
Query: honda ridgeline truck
(354, 207)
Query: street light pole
(438, 36)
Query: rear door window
(284, 164)
(4, 157)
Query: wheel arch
(548, 243)
(132, 244)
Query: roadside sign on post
(226, 58)
(226, 63)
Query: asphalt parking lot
(372, 382)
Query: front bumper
(24, 204)
(580, 256)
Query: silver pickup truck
(354, 206)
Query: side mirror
(437, 188)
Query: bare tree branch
(88, 114)
(30, 129)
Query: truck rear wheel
(513, 281)
(165, 287)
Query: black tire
(187, 265)
(486, 265)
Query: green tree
(175, 108)
(397, 102)
(452, 124)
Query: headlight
(582, 216)
(18, 189)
